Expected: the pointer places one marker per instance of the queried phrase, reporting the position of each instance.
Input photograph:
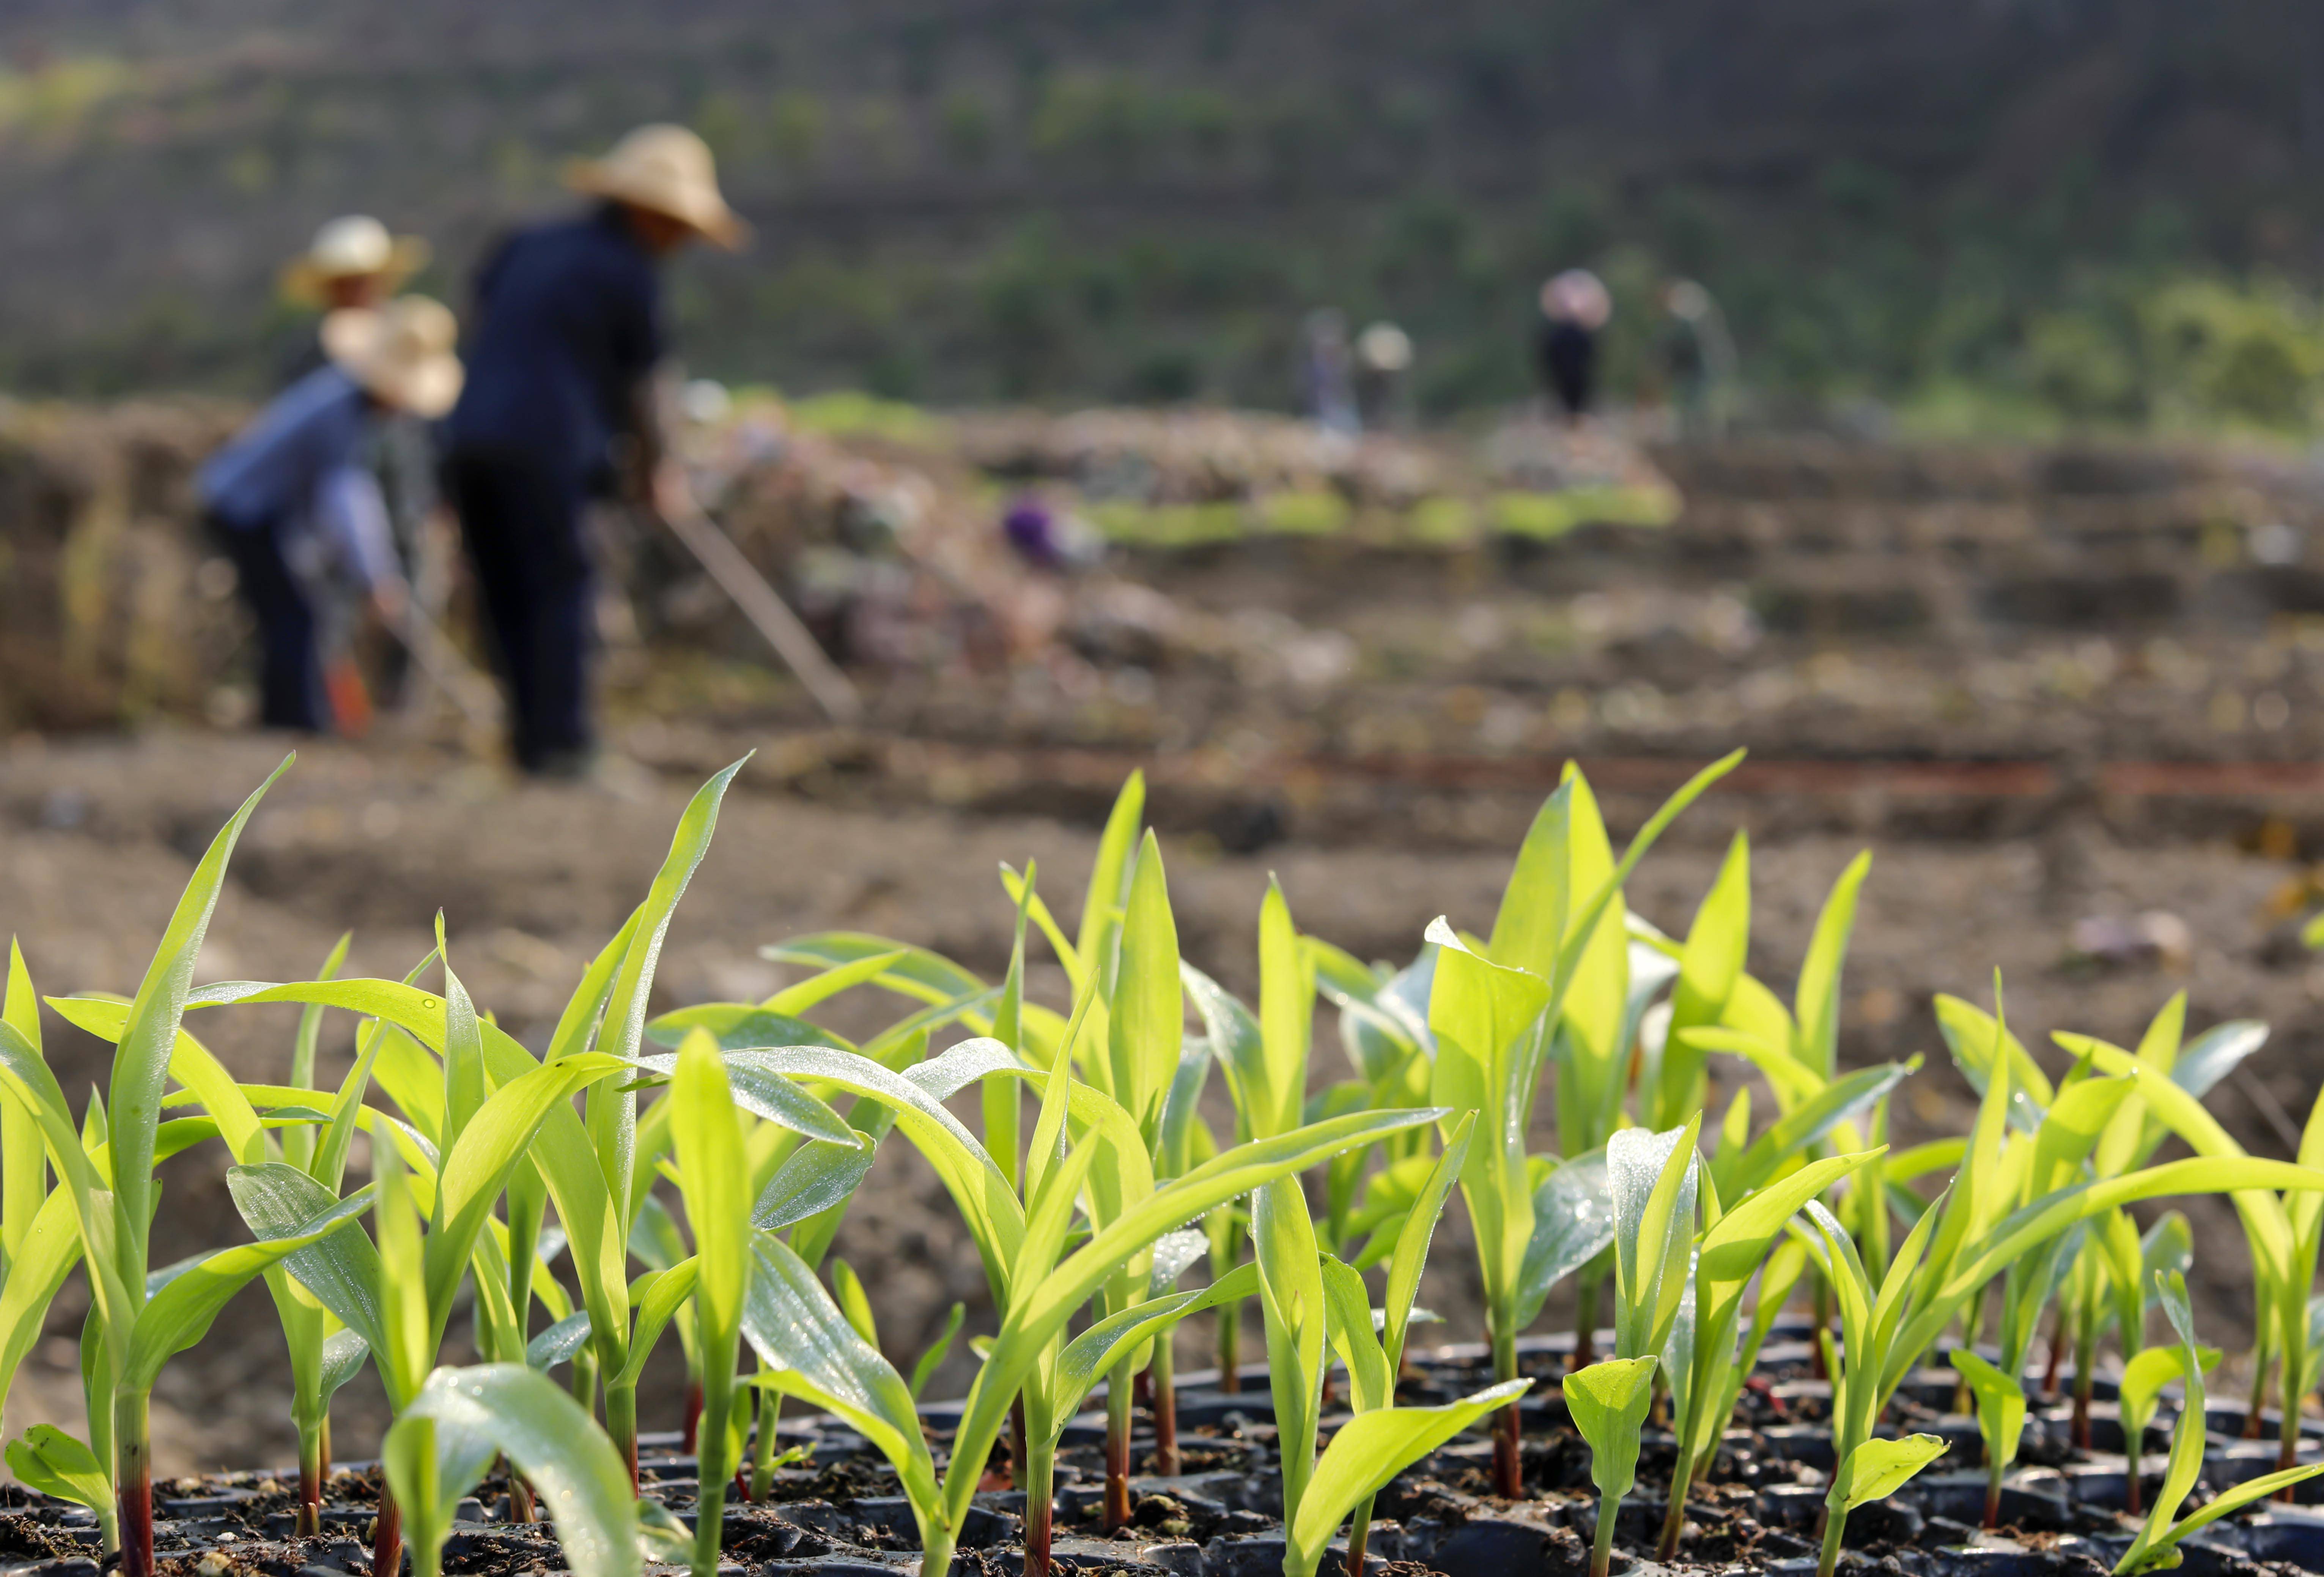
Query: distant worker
(1574, 307)
(352, 261)
(1383, 357)
(561, 363)
(294, 508)
(1325, 376)
(1698, 357)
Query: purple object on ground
(1032, 530)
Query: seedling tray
(838, 1513)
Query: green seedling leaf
(343, 1357)
(1291, 1295)
(559, 1342)
(1709, 967)
(715, 1180)
(2164, 1550)
(979, 1189)
(1176, 1253)
(661, 1536)
(961, 1065)
(445, 1441)
(43, 1257)
(813, 1179)
(1815, 1007)
(23, 1158)
(49, 1459)
(1287, 1015)
(1093, 1354)
(1039, 1310)
(2000, 1404)
(341, 1270)
(141, 1063)
(736, 1024)
(1146, 1011)
(1109, 886)
(847, 1289)
(914, 971)
(821, 987)
(2145, 1374)
(1347, 1309)
(1877, 1469)
(1651, 1178)
(807, 1349)
(1412, 1241)
(476, 1168)
(181, 1312)
(658, 1295)
(2215, 1053)
(1841, 1100)
(1608, 1402)
(1235, 1043)
(1969, 1034)
(1573, 1224)
(778, 1100)
(938, 1351)
(1369, 1451)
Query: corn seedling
(1373, 1360)
(1794, 1048)
(140, 1318)
(1494, 1009)
(2141, 1390)
(2156, 1545)
(2285, 1232)
(39, 1243)
(1608, 1402)
(1653, 1183)
(1867, 1469)
(1703, 1376)
(461, 1420)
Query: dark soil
(1756, 1514)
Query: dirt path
(96, 838)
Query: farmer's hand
(389, 599)
(672, 497)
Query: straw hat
(350, 248)
(401, 352)
(1577, 296)
(669, 171)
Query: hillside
(1135, 199)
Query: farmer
(1383, 359)
(1575, 306)
(1698, 358)
(352, 261)
(294, 508)
(561, 364)
(1326, 372)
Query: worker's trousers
(522, 522)
(291, 693)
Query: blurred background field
(2009, 565)
(1918, 214)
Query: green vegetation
(765, 1124)
(2114, 227)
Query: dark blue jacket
(568, 319)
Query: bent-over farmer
(569, 331)
(291, 503)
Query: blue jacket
(299, 467)
(568, 320)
